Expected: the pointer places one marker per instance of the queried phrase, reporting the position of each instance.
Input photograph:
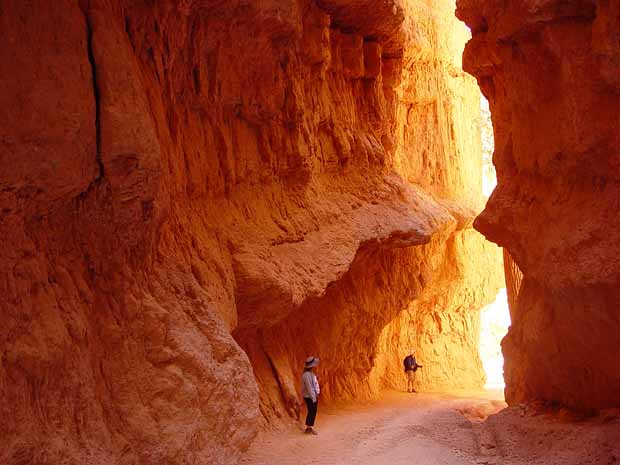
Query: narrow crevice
(291, 405)
(97, 95)
(276, 376)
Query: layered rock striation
(550, 71)
(174, 174)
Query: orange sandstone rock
(549, 70)
(176, 173)
(387, 296)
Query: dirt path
(402, 429)
(433, 429)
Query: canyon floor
(444, 429)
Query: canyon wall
(394, 297)
(299, 175)
(550, 70)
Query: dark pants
(312, 408)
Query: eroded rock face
(174, 173)
(391, 297)
(550, 71)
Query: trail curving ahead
(401, 429)
(443, 429)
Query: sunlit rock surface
(550, 70)
(390, 298)
(301, 176)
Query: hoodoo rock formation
(550, 70)
(195, 195)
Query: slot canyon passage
(195, 195)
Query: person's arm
(317, 388)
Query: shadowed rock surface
(550, 71)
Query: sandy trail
(438, 429)
(401, 429)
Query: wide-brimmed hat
(311, 362)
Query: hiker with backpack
(411, 366)
(310, 391)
